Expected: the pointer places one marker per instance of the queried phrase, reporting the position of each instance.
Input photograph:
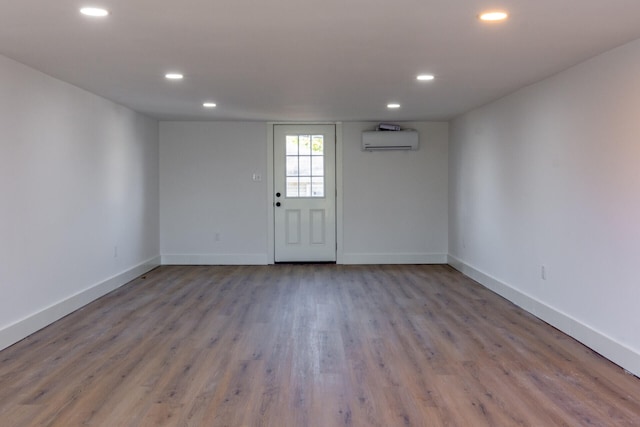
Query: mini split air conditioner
(390, 140)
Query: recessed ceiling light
(425, 77)
(174, 76)
(494, 16)
(393, 106)
(94, 11)
(209, 105)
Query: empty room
(296, 213)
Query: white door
(304, 192)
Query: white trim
(21, 329)
(215, 259)
(339, 197)
(271, 254)
(394, 258)
(592, 338)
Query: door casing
(270, 189)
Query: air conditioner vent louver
(390, 140)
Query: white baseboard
(25, 327)
(214, 259)
(618, 353)
(396, 258)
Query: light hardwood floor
(308, 345)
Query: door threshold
(303, 262)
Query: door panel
(292, 226)
(304, 189)
(317, 226)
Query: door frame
(271, 256)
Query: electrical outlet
(256, 177)
(543, 272)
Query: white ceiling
(309, 60)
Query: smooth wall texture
(395, 202)
(79, 191)
(549, 177)
(211, 209)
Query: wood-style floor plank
(308, 345)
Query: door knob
(278, 204)
(277, 194)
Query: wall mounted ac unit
(390, 140)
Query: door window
(305, 166)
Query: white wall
(395, 202)
(78, 177)
(206, 188)
(550, 175)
